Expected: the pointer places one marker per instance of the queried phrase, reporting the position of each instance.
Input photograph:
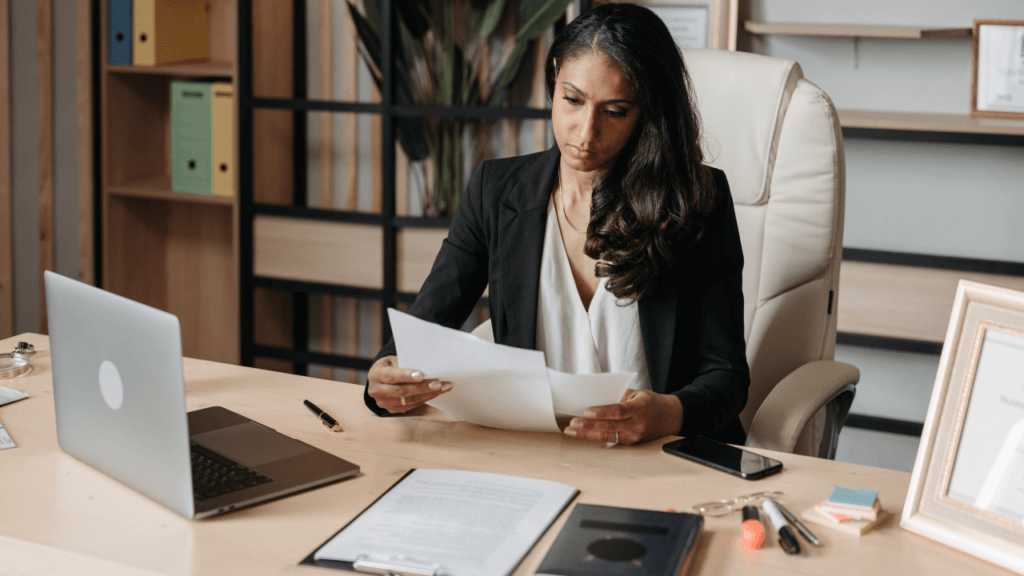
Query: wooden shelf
(853, 30)
(204, 68)
(159, 188)
(904, 302)
(920, 122)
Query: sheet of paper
(471, 523)
(1001, 68)
(571, 394)
(5, 439)
(988, 471)
(7, 395)
(492, 385)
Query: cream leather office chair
(777, 138)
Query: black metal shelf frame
(973, 138)
(387, 220)
(884, 424)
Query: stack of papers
(6, 397)
(495, 385)
(5, 439)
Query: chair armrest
(484, 331)
(795, 400)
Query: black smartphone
(722, 456)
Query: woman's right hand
(399, 390)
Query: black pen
(807, 534)
(325, 418)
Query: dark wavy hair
(658, 190)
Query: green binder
(191, 145)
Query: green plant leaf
(411, 131)
(368, 35)
(469, 87)
(372, 10)
(538, 16)
(484, 25)
(414, 13)
(512, 67)
(448, 69)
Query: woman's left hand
(640, 415)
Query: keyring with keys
(25, 349)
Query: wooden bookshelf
(174, 251)
(922, 122)
(177, 251)
(853, 30)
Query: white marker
(787, 539)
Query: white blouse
(605, 338)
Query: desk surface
(58, 515)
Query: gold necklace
(561, 200)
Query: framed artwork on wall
(997, 79)
(696, 23)
(967, 489)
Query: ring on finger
(402, 398)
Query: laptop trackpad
(251, 444)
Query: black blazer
(692, 326)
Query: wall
(25, 155)
(25, 166)
(927, 198)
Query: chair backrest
(777, 137)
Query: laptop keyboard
(214, 475)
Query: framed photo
(967, 489)
(998, 71)
(696, 23)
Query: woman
(616, 250)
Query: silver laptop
(119, 394)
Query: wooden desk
(58, 515)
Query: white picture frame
(950, 498)
(696, 23)
(997, 81)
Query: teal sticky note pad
(853, 497)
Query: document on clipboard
(448, 523)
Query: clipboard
(402, 565)
(311, 561)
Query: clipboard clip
(396, 566)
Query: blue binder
(120, 37)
